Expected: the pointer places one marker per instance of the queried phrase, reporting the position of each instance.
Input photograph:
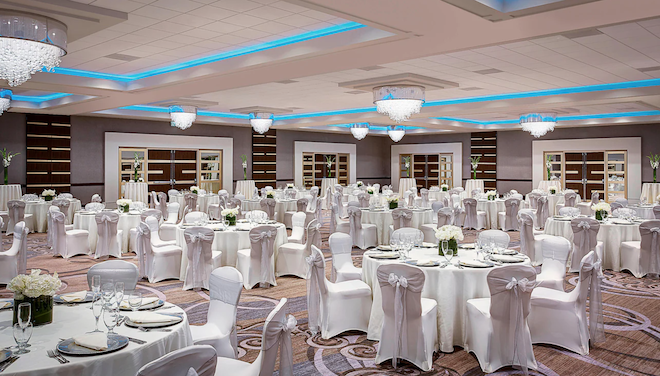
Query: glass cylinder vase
(452, 244)
(42, 309)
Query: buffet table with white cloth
(545, 185)
(228, 241)
(405, 184)
(450, 287)
(472, 184)
(612, 234)
(281, 207)
(136, 192)
(245, 187)
(650, 191)
(382, 218)
(491, 207)
(87, 221)
(9, 192)
(77, 320)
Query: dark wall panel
(12, 138)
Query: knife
(7, 363)
(138, 341)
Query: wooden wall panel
(484, 145)
(48, 141)
(264, 158)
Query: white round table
(383, 220)
(450, 287)
(643, 211)
(281, 207)
(327, 182)
(136, 192)
(491, 207)
(546, 184)
(611, 234)
(87, 221)
(405, 184)
(203, 201)
(39, 211)
(650, 191)
(228, 241)
(471, 184)
(245, 187)
(9, 192)
(438, 195)
(78, 319)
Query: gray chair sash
(585, 231)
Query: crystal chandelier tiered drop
(5, 100)
(183, 116)
(538, 124)
(28, 44)
(261, 121)
(360, 130)
(399, 102)
(396, 132)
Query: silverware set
(9, 361)
(143, 329)
(56, 355)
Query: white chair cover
(526, 226)
(424, 194)
(95, 206)
(66, 243)
(500, 238)
(96, 198)
(569, 199)
(16, 212)
(511, 214)
(656, 211)
(29, 197)
(200, 359)
(341, 246)
(268, 206)
(301, 204)
(542, 211)
(49, 220)
(401, 218)
(171, 193)
(556, 251)
(456, 215)
(410, 199)
(63, 205)
(143, 249)
(20, 237)
(363, 199)
(262, 241)
(200, 264)
(255, 193)
(585, 232)
(436, 206)
(195, 216)
(339, 201)
(471, 220)
(595, 198)
(107, 244)
(622, 201)
(649, 261)
(533, 198)
(114, 271)
(161, 204)
(615, 206)
(191, 203)
(569, 211)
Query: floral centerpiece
(406, 164)
(48, 194)
(602, 209)
(290, 185)
(230, 215)
(451, 234)
(244, 164)
(393, 202)
(370, 190)
(38, 290)
(474, 162)
(329, 160)
(552, 190)
(137, 161)
(548, 166)
(491, 195)
(654, 159)
(359, 183)
(6, 161)
(270, 194)
(123, 204)
(444, 187)
(513, 192)
(194, 189)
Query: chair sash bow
(195, 241)
(315, 276)
(596, 324)
(264, 238)
(280, 332)
(400, 283)
(650, 239)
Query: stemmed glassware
(119, 294)
(97, 309)
(446, 252)
(110, 316)
(23, 328)
(108, 292)
(135, 300)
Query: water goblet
(110, 316)
(22, 336)
(97, 310)
(446, 252)
(96, 284)
(119, 291)
(24, 314)
(135, 300)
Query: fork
(143, 329)
(59, 355)
(7, 363)
(51, 354)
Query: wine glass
(24, 314)
(110, 316)
(108, 292)
(446, 252)
(96, 284)
(22, 336)
(135, 300)
(97, 309)
(119, 292)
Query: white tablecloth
(76, 320)
(438, 195)
(546, 184)
(229, 242)
(136, 192)
(643, 211)
(491, 208)
(325, 183)
(39, 211)
(405, 184)
(612, 235)
(473, 184)
(9, 192)
(651, 192)
(450, 287)
(203, 201)
(383, 219)
(245, 187)
(87, 222)
(281, 207)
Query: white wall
(300, 147)
(456, 148)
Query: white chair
(67, 243)
(585, 206)
(14, 260)
(569, 212)
(338, 224)
(298, 228)
(569, 201)
(334, 308)
(195, 216)
(256, 263)
(656, 211)
(500, 238)
(560, 318)
(132, 235)
(363, 235)
(95, 206)
(96, 198)
(444, 217)
(276, 334)
(474, 219)
(410, 324)
(201, 359)
(424, 202)
(172, 193)
(508, 219)
(363, 199)
(156, 263)
(301, 206)
(161, 204)
(314, 211)
(156, 241)
(622, 201)
(341, 246)
(167, 231)
(63, 205)
(17, 214)
(401, 217)
(268, 206)
(191, 203)
(435, 206)
(585, 232)
(542, 211)
(556, 251)
(643, 257)
(201, 259)
(109, 238)
(226, 284)
(623, 212)
(497, 330)
(291, 256)
(115, 271)
(530, 243)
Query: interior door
(159, 170)
(184, 168)
(585, 172)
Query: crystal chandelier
(183, 116)
(261, 121)
(28, 44)
(399, 102)
(538, 124)
(360, 130)
(396, 132)
(5, 100)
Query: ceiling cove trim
(559, 118)
(214, 58)
(39, 98)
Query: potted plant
(654, 159)
(194, 189)
(491, 195)
(393, 202)
(406, 163)
(244, 164)
(230, 215)
(123, 205)
(452, 235)
(601, 210)
(444, 187)
(48, 194)
(6, 161)
(474, 162)
(38, 290)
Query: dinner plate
(145, 307)
(5, 354)
(466, 246)
(384, 256)
(131, 324)
(58, 299)
(69, 347)
(11, 303)
(384, 247)
(507, 259)
(431, 264)
(474, 264)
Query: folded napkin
(94, 341)
(426, 262)
(473, 263)
(151, 318)
(506, 258)
(4, 304)
(74, 296)
(429, 245)
(145, 302)
(385, 247)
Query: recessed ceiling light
(488, 71)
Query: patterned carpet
(632, 323)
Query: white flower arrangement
(289, 185)
(194, 189)
(229, 212)
(490, 194)
(370, 190)
(270, 194)
(359, 183)
(444, 187)
(48, 193)
(244, 164)
(7, 156)
(552, 190)
(141, 180)
(601, 206)
(34, 285)
(392, 199)
(513, 192)
(449, 232)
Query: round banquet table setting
(136, 192)
(84, 220)
(451, 287)
(228, 241)
(491, 207)
(245, 187)
(69, 321)
(203, 201)
(472, 184)
(325, 183)
(438, 195)
(650, 192)
(39, 211)
(405, 184)
(382, 218)
(612, 233)
(643, 211)
(281, 206)
(545, 185)
(9, 192)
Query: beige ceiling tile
(250, 34)
(237, 5)
(317, 26)
(126, 27)
(155, 12)
(201, 33)
(230, 39)
(171, 27)
(215, 13)
(142, 21)
(99, 64)
(269, 13)
(221, 27)
(318, 15)
(297, 20)
(273, 27)
(166, 44)
(212, 45)
(177, 5)
(288, 6)
(144, 51)
(244, 20)
(120, 5)
(180, 38)
(191, 20)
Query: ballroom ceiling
(591, 62)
